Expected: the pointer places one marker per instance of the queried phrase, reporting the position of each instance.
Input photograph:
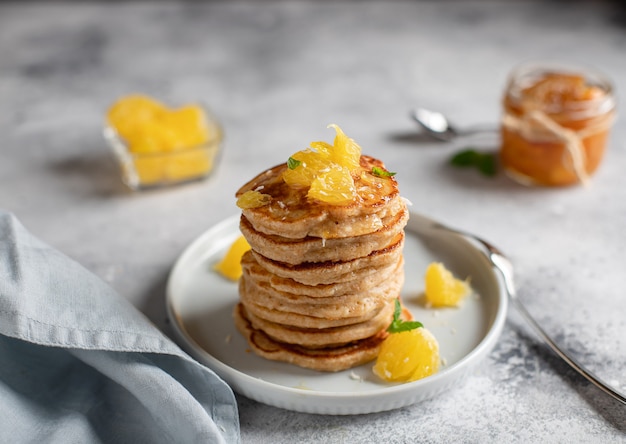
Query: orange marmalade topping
(326, 169)
(336, 174)
(559, 90)
(555, 127)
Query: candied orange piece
(230, 265)
(253, 199)
(442, 288)
(408, 356)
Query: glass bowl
(176, 166)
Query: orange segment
(408, 356)
(150, 137)
(185, 164)
(324, 148)
(230, 265)
(334, 186)
(442, 288)
(345, 151)
(189, 124)
(311, 163)
(327, 169)
(128, 112)
(147, 126)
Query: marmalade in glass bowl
(156, 145)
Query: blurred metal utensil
(439, 127)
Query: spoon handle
(504, 266)
(478, 129)
(588, 374)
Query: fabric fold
(81, 364)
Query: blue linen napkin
(79, 364)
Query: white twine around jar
(529, 126)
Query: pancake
(315, 249)
(261, 294)
(329, 359)
(253, 271)
(297, 320)
(290, 214)
(324, 359)
(323, 337)
(312, 273)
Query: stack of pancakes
(319, 284)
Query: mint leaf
(483, 161)
(397, 310)
(487, 165)
(404, 326)
(377, 171)
(292, 163)
(398, 325)
(464, 158)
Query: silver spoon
(439, 127)
(505, 267)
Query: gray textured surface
(276, 73)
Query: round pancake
(308, 315)
(292, 215)
(303, 321)
(323, 337)
(323, 359)
(330, 359)
(315, 273)
(255, 272)
(298, 310)
(315, 249)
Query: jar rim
(528, 73)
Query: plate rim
(235, 377)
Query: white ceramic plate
(200, 304)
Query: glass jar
(555, 124)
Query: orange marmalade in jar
(555, 124)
